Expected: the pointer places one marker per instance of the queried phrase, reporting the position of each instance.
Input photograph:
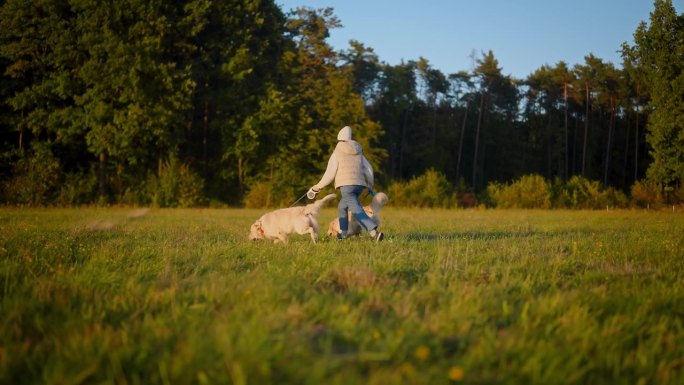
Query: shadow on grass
(482, 235)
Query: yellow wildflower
(422, 353)
(456, 373)
(407, 369)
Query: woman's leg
(342, 213)
(357, 211)
(350, 201)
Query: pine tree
(658, 52)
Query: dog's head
(256, 231)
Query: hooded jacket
(347, 165)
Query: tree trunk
(609, 145)
(241, 173)
(433, 134)
(402, 149)
(636, 141)
(480, 118)
(624, 160)
(460, 144)
(103, 175)
(550, 144)
(205, 131)
(188, 130)
(21, 132)
(574, 146)
(567, 146)
(586, 130)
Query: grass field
(126, 296)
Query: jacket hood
(345, 133)
(349, 147)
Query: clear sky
(523, 34)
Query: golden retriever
(279, 224)
(373, 210)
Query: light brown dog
(373, 210)
(279, 224)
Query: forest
(238, 102)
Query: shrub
(466, 200)
(139, 195)
(431, 189)
(35, 177)
(533, 191)
(560, 197)
(582, 193)
(678, 194)
(614, 198)
(648, 193)
(496, 195)
(275, 193)
(175, 186)
(77, 189)
(259, 196)
(530, 191)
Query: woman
(352, 174)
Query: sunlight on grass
(181, 296)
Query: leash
(370, 192)
(297, 201)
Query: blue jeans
(350, 201)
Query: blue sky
(523, 34)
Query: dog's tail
(379, 200)
(314, 208)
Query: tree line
(235, 101)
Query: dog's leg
(313, 227)
(282, 237)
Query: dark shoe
(340, 237)
(379, 236)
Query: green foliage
(488, 296)
(259, 196)
(35, 178)
(77, 189)
(530, 191)
(238, 64)
(101, 76)
(176, 185)
(266, 194)
(283, 148)
(533, 191)
(431, 189)
(647, 193)
(254, 98)
(581, 193)
(138, 195)
(658, 51)
(364, 66)
(121, 79)
(677, 194)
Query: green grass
(181, 296)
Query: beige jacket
(347, 166)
